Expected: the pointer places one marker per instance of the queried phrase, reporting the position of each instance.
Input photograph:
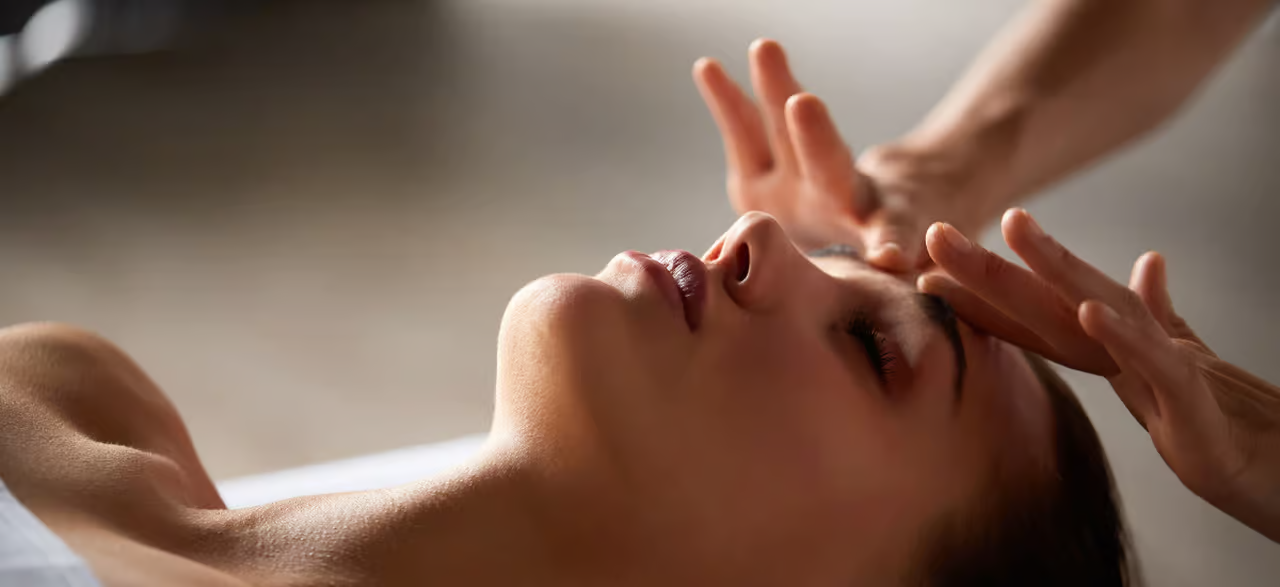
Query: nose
(753, 260)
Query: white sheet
(373, 471)
(33, 556)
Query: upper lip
(689, 274)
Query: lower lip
(690, 276)
(658, 273)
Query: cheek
(793, 404)
(816, 434)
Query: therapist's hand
(1215, 425)
(915, 184)
(784, 155)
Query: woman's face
(764, 403)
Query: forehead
(871, 288)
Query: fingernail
(954, 239)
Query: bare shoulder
(80, 421)
(98, 453)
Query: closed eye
(864, 332)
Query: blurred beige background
(307, 227)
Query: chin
(564, 340)
(566, 304)
(564, 321)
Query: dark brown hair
(1064, 529)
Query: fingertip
(708, 70)
(701, 65)
(805, 107)
(935, 283)
(888, 255)
(943, 238)
(1160, 267)
(1147, 274)
(768, 54)
(1021, 231)
(764, 45)
(933, 235)
(1010, 220)
(1012, 215)
(1098, 319)
(804, 100)
(1154, 261)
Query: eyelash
(865, 333)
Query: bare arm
(1067, 82)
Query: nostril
(743, 262)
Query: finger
(821, 155)
(1073, 279)
(1133, 389)
(746, 147)
(982, 316)
(1019, 294)
(773, 83)
(894, 238)
(1150, 281)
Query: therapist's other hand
(784, 155)
(913, 186)
(1216, 425)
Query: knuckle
(1061, 255)
(1132, 305)
(993, 268)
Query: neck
(493, 523)
(501, 521)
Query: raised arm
(1067, 82)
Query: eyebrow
(940, 313)
(935, 308)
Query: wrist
(967, 160)
(942, 182)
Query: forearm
(1070, 81)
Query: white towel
(33, 556)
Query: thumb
(1140, 347)
(1127, 348)
(894, 239)
(866, 196)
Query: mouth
(690, 276)
(682, 277)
